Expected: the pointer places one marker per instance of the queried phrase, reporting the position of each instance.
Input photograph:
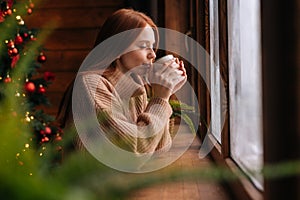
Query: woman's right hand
(167, 78)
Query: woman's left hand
(179, 65)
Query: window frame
(277, 51)
(243, 188)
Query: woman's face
(140, 54)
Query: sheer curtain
(245, 93)
(215, 82)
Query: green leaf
(188, 121)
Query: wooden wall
(77, 22)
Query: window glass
(245, 93)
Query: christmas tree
(31, 85)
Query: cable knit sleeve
(131, 124)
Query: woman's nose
(151, 54)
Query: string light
(27, 119)
(20, 20)
(15, 51)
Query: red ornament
(29, 87)
(1, 17)
(14, 60)
(42, 58)
(29, 11)
(49, 76)
(47, 130)
(41, 89)
(7, 80)
(25, 35)
(13, 52)
(11, 44)
(6, 9)
(45, 139)
(8, 12)
(31, 5)
(58, 138)
(18, 39)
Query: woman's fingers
(174, 65)
(160, 69)
(178, 79)
(179, 72)
(172, 76)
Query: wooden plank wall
(78, 22)
(180, 23)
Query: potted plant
(183, 111)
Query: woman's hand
(182, 69)
(167, 78)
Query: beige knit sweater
(131, 122)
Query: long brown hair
(120, 21)
(123, 20)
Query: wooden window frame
(280, 47)
(243, 187)
(277, 17)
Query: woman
(112, 84)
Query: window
(242, 79)
(245, 93)
(230, 30)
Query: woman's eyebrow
(147, 41)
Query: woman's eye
(146, 45)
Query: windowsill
(243, 188)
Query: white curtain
(245, 93)
(215, 82)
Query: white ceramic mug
(164, 59)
